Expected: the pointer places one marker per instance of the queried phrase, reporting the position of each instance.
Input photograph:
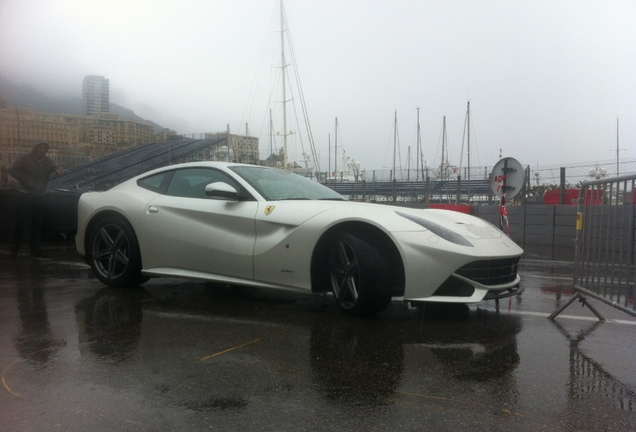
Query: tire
(113, 253)
(359, 275)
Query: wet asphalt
(185, 355)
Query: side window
(191, 182)
(153, 182)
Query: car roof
(210, 164)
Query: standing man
(32, 171)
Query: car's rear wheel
(359, 275)
(113, 253)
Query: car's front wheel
(113, 253)
(359, 275)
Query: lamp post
(598, 173)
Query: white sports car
(264, 227)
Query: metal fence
(459, 185)
(604, 260)
(540, 175)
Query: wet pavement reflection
(176, 354)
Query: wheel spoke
(100, 254)
(352, 289)
(105, 237)
(344, 268)
(121, 257)
(119, 239)
(338, 287)
(111, 266)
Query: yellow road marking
(442, 398)
(4, 372)
(238, 346)
(4, 380)
(233, 348)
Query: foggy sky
(546, 79)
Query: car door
(189, 231)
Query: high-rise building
(95, 94)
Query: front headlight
(437, 229)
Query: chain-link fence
(578, 173)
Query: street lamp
(598, 173)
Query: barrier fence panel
(604, 263)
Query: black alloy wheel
(114, 253)
(359, 275)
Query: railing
(543, 184)
(604, 261)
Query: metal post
(394, 185)
(562, 185)
(427, 189)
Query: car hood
(388, 218)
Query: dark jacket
(32, 174)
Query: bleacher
(106, 172)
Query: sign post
(506, 181)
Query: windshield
(275, 185)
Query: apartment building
(95, 95)
(74, 139)
(241, 148)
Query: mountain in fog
(23, 96)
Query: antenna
(618, 149)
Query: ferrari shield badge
(269, 210)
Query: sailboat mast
(394, 143)
(418, 149)
(335, 151)
(229, 139)
(617, 147)
(283, 73)
(271, 137)
(441, 166)
(468, 146)
(329, 156)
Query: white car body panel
(210, 234)
(271, 243)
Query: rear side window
(153, 182)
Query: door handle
(153, 209)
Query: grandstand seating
(113, 169)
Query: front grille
(491, 272)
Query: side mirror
(222, 190)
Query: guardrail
(604, 260)
(414, 191)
